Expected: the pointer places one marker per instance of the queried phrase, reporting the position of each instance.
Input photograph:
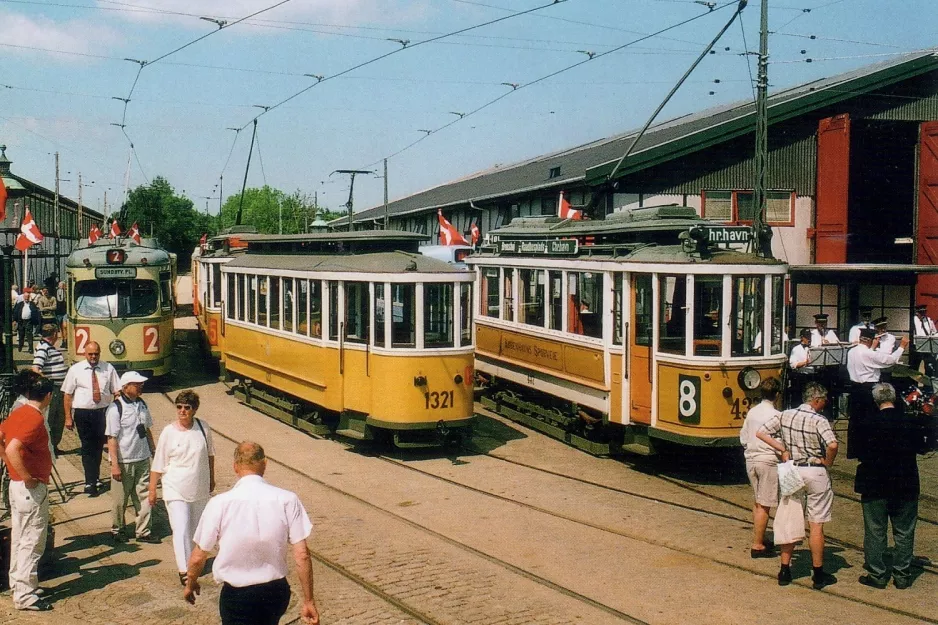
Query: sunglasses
(183, 407)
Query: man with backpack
(130, 445)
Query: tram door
(640, 338)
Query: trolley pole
(79, 207)
(763, 233)
(386, 216)
(351, 190)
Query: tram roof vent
(648, 213)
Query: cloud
(76, 36)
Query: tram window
(747, 316)
(438, 315)
(404, 315)
(287, 314)
(263, 297)
(302, 306)
(531, 291)
(643, 310)
(708, 313)
(166, 291)
(508, 313)
(115, 299)
(315, 309)
(672, 293)
(465, 307)
(555, 280)
(489, 292)
(617, 309)
(231, 296)
(357, 312)
(243, 299)
(779, 336)
(379, 314)
(216, 285)
(333, 311)
(585, 309)
(252, 299)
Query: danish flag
(564, 211)
(3, 200)
(29, 233)
(134, 234)
(448, 234)
(474, 233)
(115, 229)
(94, 233)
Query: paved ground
(490, 542)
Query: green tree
(272, 211)
(170, 218)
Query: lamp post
(15, 191)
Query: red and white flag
(448, 234)
(29, 233)
(134, 234)
(94, 233)
(564, 211)
(474, 233)
(115, 229)
(3, 200)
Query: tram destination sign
(728, 234)
(102, 273)
(556, 247)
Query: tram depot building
(852, 178)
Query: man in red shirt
(26, 452)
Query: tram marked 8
(688, 400)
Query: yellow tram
(641, 328)
(121, 295)
(207, 283)
(354, 331)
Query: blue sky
(63, 65)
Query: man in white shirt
(866, 316)
(820, 335)
(252, 526)
(89, 388)
(885, 341)
(865, 366)
(924, 326)
(129, 443)
(761, 467)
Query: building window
(554, 172)
(735, 207)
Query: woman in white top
(185, 460)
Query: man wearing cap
(820, 335)
(924, 327)
(50, 362)
(129, 441)
(89, 388)
(865, 366)
(885, 341)
(866, 316)
(802, 373)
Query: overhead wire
(746, 56)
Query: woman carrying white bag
(806, 439)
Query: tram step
(349, 433)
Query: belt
(810, 464)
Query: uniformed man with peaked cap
(866, 316)
(820, 335)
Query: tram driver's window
(357, 312)
(438, 315)
(508, 313)
(489, 293)
(672, 294)
(531, 292)
(231, 296)
(585, 308)
(404, 315)
(379, 314)
(779, 335)
(708, 313)
(555, 303)
(644, 308)
(747, 316)
(465, 307)
(216, 285)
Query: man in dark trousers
(888, 483)
(27, 317)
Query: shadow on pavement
(67, 562)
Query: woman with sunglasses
(185, 460)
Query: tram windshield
(104, 299)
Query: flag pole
(25, 267)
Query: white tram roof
(377, 262)
(645, 253)
(95, 252)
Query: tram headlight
(749, 379)
(117, 347)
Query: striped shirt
(50, 361)
(805, 433)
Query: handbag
(788, 527)
(789, 479)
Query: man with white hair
(129, 443)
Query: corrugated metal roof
(380, 262)
(662, 142)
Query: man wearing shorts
(761, 467)
(805, 436)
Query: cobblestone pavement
(397, 546)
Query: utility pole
(351, 189)
(56, 249)
(385, 194)
(79, 206)
(105, 203)
(762, 232)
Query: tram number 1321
(438, 401)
